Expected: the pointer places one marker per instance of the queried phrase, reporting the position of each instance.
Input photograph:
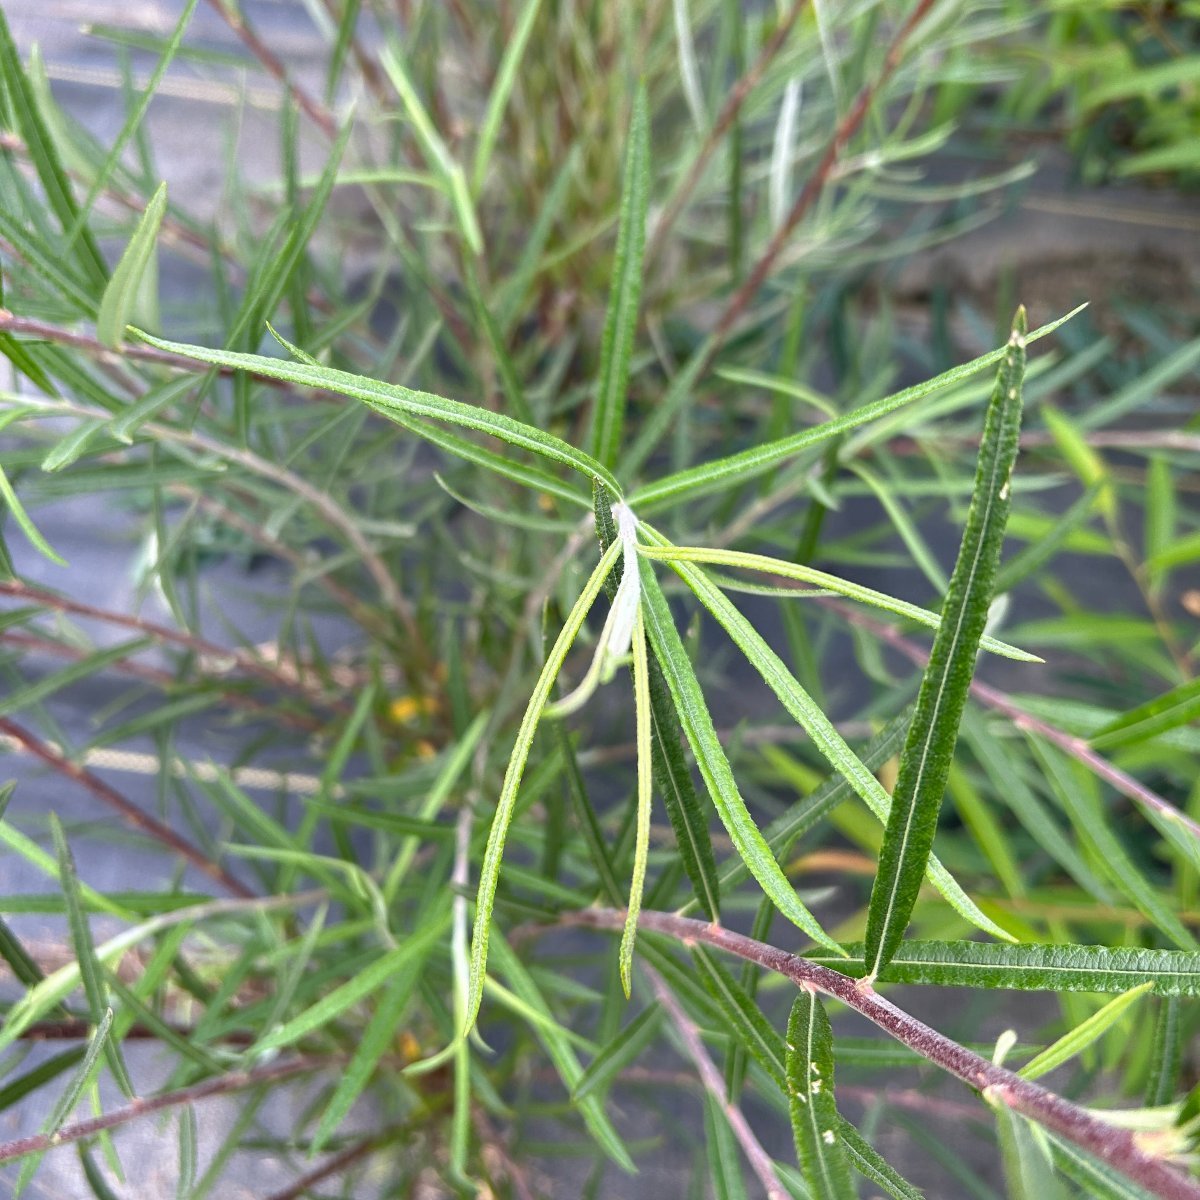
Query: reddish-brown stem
(273, 65)
(725, 118)
(161, 679)
(335, 1165)
(815, 184)
(239, 658)
(222, 1085)
(1117, 1147)
(129, 811)
(714, 1084)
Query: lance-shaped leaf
(714, 765)
(620, 323)
(121, 293)
(929, 750)
(1168, 711)
(672, 776)
(489, 875)
(870, 1164)
(399, 403)
(1031, 967)
(815, 1122)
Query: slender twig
(162, 633)
(714, 1084)
(222, 1085)
(1119, 1148)
(815, 184)
(273, 65)
(162, 679)
(336, 1164)
(725, 118)
(129, 811)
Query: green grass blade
(929, 750)
(641, 842)
(620, 322)
(506, 77)
(1031, 967)
(822, 579)
(815, 1122)
(1083, 1035)
(749, 464)
(489, 874)
(399, 403)
(714, 766)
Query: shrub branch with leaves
(517, 161)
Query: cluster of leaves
(1119, 78)
(549, 230)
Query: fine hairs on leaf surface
(333, 790)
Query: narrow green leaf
(1031, 967)
(559, 1049)
(743, 1018)
(672, 774)
(870, 1164)
(73, 446)
(1083, 1035)
(815, 1122)
(489, 874)
(614, 1057)
(749, 464)
(400, 403)
(929, 750)
(404, 958)
(641, 841)
(33, 693)
(1082, 459)
(506, 77)
(809, 715)
(802, 816)
(23, 520)
(45, 158)
(620, 322)
(140, 102)
(83, 1079)
(1168, 711)
(1166, 1054)
(822, 579)
(375, 1042)
(13, 1092)
(714, 766)
(1098, 1181)
(724, 1159)
(1160, 514)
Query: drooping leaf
(672, 774)
(489, 874)
(929, 750)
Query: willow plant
(457, 758)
